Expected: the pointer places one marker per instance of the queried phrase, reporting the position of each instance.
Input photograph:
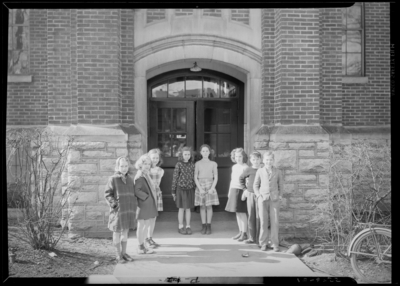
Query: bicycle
(370, 253)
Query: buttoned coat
(147, 207)
(275, 183)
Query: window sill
(19, 78)
(355, 79)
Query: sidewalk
(214, 258)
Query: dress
(183, 185)
(120, 189)
(156, 174)
(209, 171)
(235, 203)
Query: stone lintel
(338, 134)
(370, 132)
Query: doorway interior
(191, 109)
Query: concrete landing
(214, 258)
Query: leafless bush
(359, 191)
(35, 164)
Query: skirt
(184, 198)
(159, 201)
(235, 203)
(207, 199)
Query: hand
(246, 193)
(212, 191)
(114, 205)
(174, 196)
(159, 194)
(203, 191)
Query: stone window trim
(27, 77)
(344, 53)
(238, 22)
(355, 79)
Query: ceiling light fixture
(195, 68)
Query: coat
(261, 183)
(120, 190)
(146, 197)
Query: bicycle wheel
(366, 262)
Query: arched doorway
(191, 109)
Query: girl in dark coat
(119, 194)
(146, 195)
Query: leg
(244, 222)
(274, 211)
(124, 242)
(203, 214)
(117, 243)
(251, 211)
(239, 222)
(140, 231)
(188, 215)
(180, 217)
(151, 229)
(209, 213)
(263, 211)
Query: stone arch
(228, 61)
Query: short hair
(141, 160)
(119, 160)
(212, 153)
(269, 154)
(183, 149)
(238, 150)
(157, 151)
(255, 154)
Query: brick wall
(268, 67)
(212, 12)
(241, 15)
(369, 104)
(59, 65)
(297, 69)
(98, 47)
(183, 12)
(154, 15)
(27, 102)
(127, 65)
(331, 66)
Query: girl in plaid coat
(206, 178)
(156, 174)
(120, 196)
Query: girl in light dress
(156, 174)
(235, 202)
(206, 178)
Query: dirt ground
(82, 257)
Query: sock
(180, 226)
(188, 226)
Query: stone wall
(90, 163)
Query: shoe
(144, 250)
(188, 230)
(152, 242)
(259, 246)
(237, 236)
(203, 230)
(147, 243)
(182, 231)
(264, 247)
(276, 249)
(249, 241)
(120, 260)
(243, 236)
(126, 257)
(208, 230)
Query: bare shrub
(36, 160)
(359, 191)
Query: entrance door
(192, 122)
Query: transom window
(353, 40)
(194, 87)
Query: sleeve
(257, 183)
(139, 186)
(242, 178)
(280, 182)
(109, 193)
(215, 173)
(175, 178)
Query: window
(18, 42)
(194, 87)
(353, 41)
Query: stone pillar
(90, 163)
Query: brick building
(296, 81)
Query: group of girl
(193, 185)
